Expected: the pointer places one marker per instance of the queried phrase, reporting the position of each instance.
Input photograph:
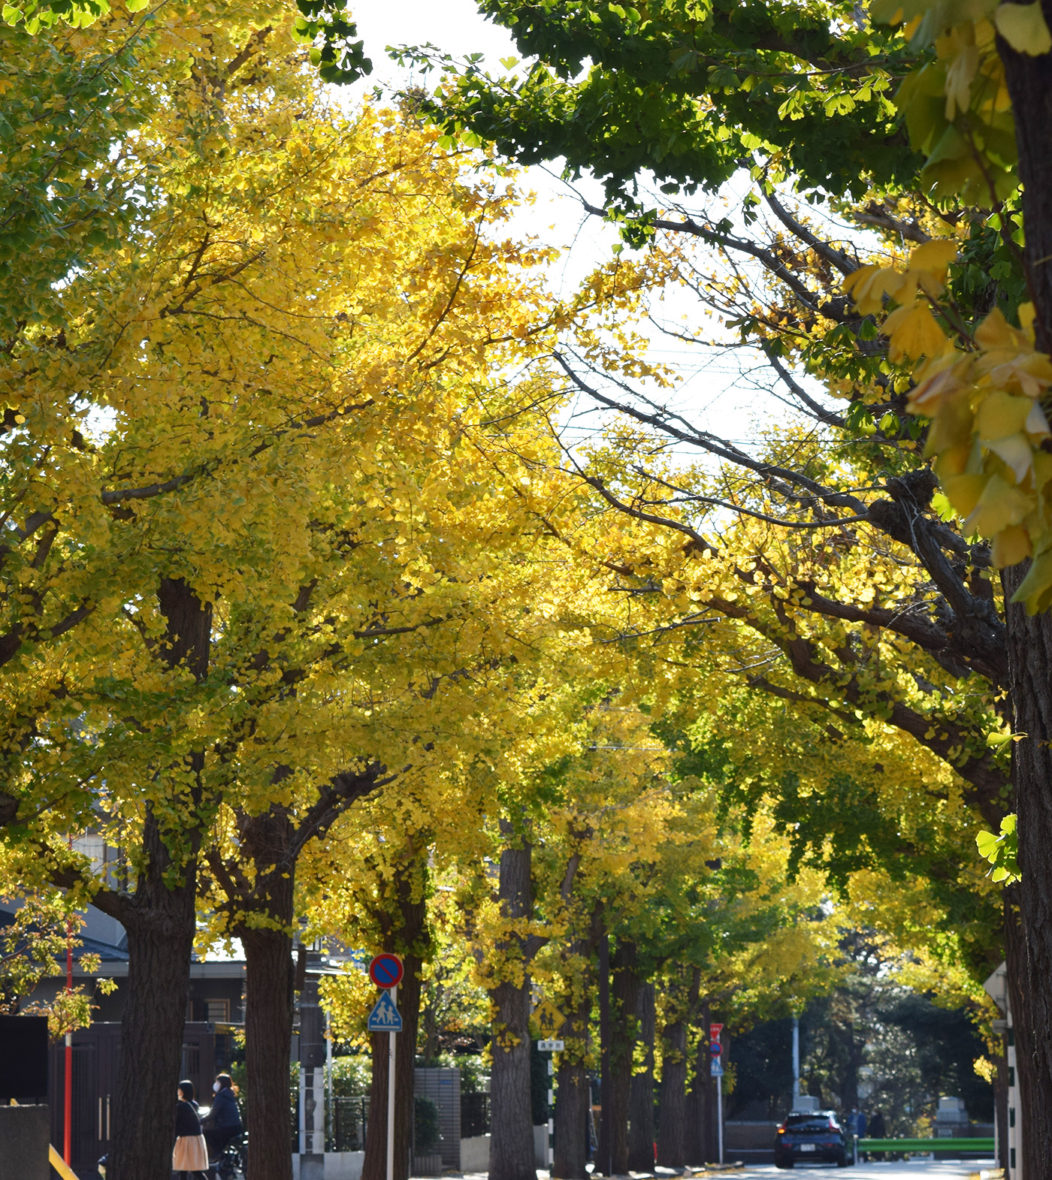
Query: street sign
(386, 970)
(549, 1046)
(714, 1031)
(716, 1068)
(715, 1048)
(385, 1017)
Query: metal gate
(96, 1059)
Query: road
(914, 1169)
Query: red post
(67, 1131)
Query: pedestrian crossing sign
(385, 1017)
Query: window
(217, 1011)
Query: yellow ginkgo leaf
(1000, 414)
(934, 256)
(1015, 452)
(914, 332)
(1000, 506)
(963, 491)
(936, 384)
(996, 332)
(1035, 590)
(1011, 545)
(1024, 27)
(870, 284)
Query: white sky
(712, 386)
(453, 25)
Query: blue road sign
(715, 1068)
(385, 1017)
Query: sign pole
(385, 971)
(551, 1047)
(716, 1050)
(391, 1094)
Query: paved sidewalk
(658, 1173)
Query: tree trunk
(374, 1166)
(672, 1112)
(159, 920)
(1029, 943)
(402, 922)
(160, 930)
(572, 1102)
(573, 1095)
(641, 1094)
(625, 985)
(511, 1140)
(701, 1104)
(266, 842)
(1029, 959)
(268, 1036)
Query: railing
(474, 1115)
(350, 1118)
(971, 1146)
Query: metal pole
(330, 1122)
(67, 1094)
(719, 1120)
(551, 1110)
(605, 1161)
(391, 1093)
(796, 1061)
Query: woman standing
(189, 1156)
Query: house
(214, 1015)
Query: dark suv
(811, 1135)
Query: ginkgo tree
(262, 480)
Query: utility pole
(312, 1076)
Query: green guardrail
(909, 1146)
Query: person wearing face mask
(223, 1122)
(189, 1155)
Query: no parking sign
(386, 970)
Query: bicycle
(231, 1162)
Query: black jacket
(186, 1120)
(224, 1113)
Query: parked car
(811, 1135)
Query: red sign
(714, 1032)
(386, 970)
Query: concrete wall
(474, 1154)
(339, 1165)
(343, 1165)
(754, 1136)
(24, 1143)
(540, 1146)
